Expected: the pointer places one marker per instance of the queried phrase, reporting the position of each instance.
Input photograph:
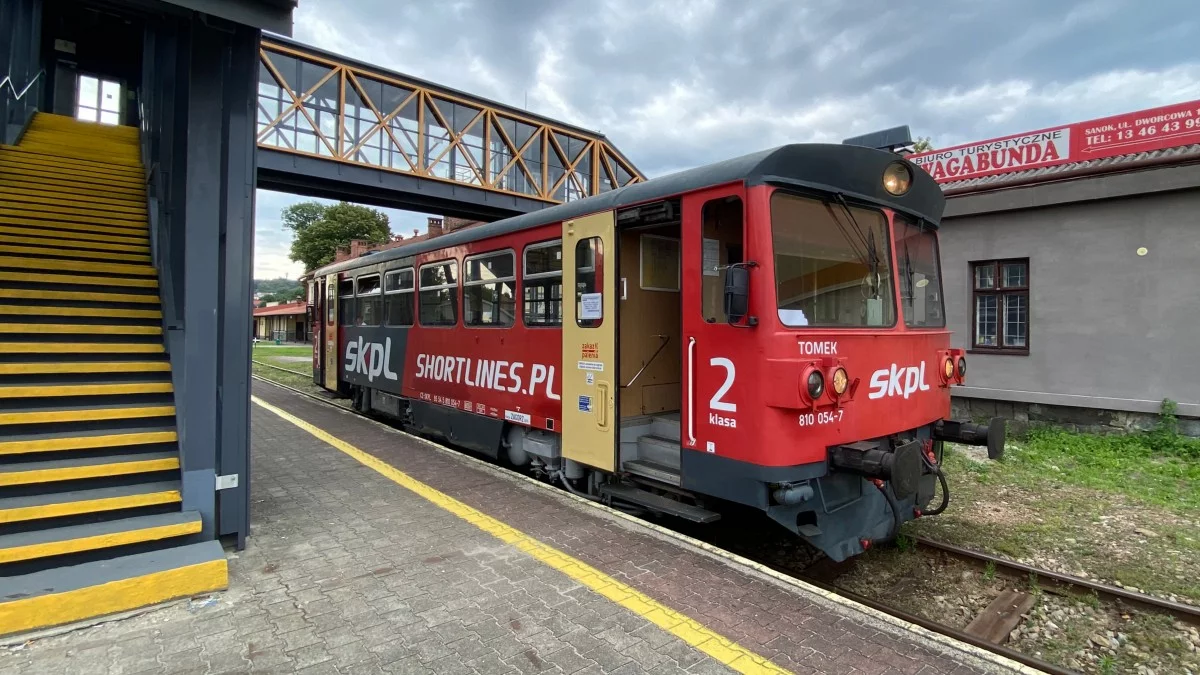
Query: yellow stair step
(84, 367)
(83, 237)
(56, 242)
(67, 179)
(56, 505)
(82, 296)
(52, 310)
(63, 390)
(57, 199)
(95, 536)
(63, 595)
(81, 468)
(82, 348)
(68, 228)
(86, 414)
(73, 253)
(31, 277)
(76, 329)
(28, 212)
(143, 269)
(91, 442)
(76, 191)
(35, 161)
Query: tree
(923, 144)
(321, 230)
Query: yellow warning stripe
(51, 310)
(117, 156)
(59, 203)
(50, 193)
(689, 630)
(78, 329)
(31, 163)
(85, 238)
(38, 294)
(67, 138)
(90, 246)
(47, 549)
(86, 415)
(80, 192)
(103, 470)
(32, 277)
(48, 391)
(53, 214)
(73, 367)
(132, 235)
(74, 253)
(55, 609)
(85, 442)
(144, 269)
(82, 348)
(19, 514)
(66, 180)
(65, 208)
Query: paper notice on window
(712, 257)
(592, 306)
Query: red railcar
(767, 330)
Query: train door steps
(649, 500)
(66, 594)
(653, 470)
(91, 517)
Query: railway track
(1048, 580)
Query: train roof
(827, 167)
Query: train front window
(920, 281)
(832, 266)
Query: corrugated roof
(1181, 154)
(299, 307)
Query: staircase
(91, 518)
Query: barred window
(438, 301)
(1001, 305)
(489, 289)
(367, 302)
(398, 292)
(542, 284)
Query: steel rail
(286, 370)
(1179, 610)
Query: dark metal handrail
(18, 95)
(665, 340)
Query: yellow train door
(331, 332)
(589, 348)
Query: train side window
(438, 301)
(541, 282)
(720, 247)
(489, 290)
(346, 302)
(589, 279)
(368, 302)
(330, 304)
(398, 293)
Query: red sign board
(1166, 127)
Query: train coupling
(969, 433)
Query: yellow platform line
(73, 253)
(82, 348)
(35, 277)
(141, 250)
(115, 596)
(38, 294)
(51, 310)
(81, 472)
(86, 390)
(86, 442)
(78, 329)
(685, 628)
(84, 367)
(34, 551)
(20, 514)
(87, 415)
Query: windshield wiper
(873, 259)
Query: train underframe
(861, 495)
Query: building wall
(268, 324)
(1108, 329)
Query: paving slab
(447, 566)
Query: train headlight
(815, 384)
(840, 381)
(897, 178)
(962, 367)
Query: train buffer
(373, 548)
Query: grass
(1118, 507)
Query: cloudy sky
(679, 84)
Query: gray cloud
(678, 84)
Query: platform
(373, 551)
